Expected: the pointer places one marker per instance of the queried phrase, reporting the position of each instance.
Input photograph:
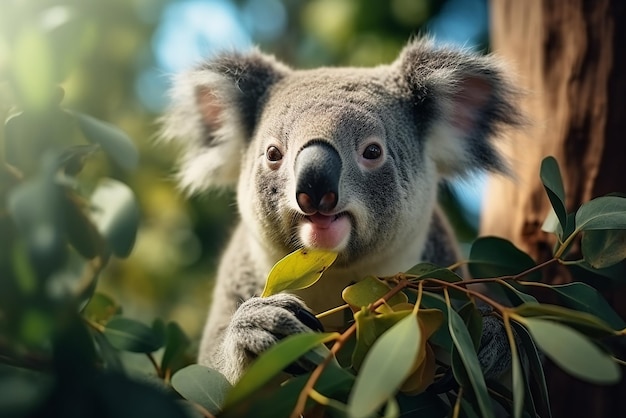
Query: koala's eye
(273, 154)
(372, 152)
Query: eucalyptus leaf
(385, 367)
(101, 308)
(176, 344)
(202, 385)
(298, 270)
(130, 335)
(272, 363)
(465, 347)
(112, 140)
(496, 257)
(116, 215)
(553, 184)
(334, 382)
(535, 368)
(368, 291)
(33, 65)
(82, 234)
(584, 298)
(517, 374)
(573, 352)
(36, 208)
(584, 322)
(606, 212)
(604, 248)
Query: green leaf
(604, 248)
(273, 361)
(511, 290)
(368, 291)
(424, 405)
(176, 344)
(36, 208)
(607, 212)
(112, 140)
(202, 385)
(517, 375)
(582, 297)
(101, 308)
(441, 337)
(473, 320)
(584, 322)
(553, 184)
(271, 402)
(422, 268)
(573, 352)
(465, 347)
(109, 355)
(298, 270)
(535, 369)
(33, 66)
(130, 335)
(81, 232)
(496, 257)
(385, 367)
(370, 327)
(116, 215)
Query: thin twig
(339, 343)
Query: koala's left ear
(213, 112)
(463, 100)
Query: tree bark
(570, 59)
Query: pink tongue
(321, 221)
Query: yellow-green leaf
(368, 291)
(298, 270)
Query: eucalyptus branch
(467, 291)
(298, 410)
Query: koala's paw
(260, 323)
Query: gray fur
(434, 113)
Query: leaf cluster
(62, 220)
(414, 345)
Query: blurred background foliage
(113, 59)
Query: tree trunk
(570, 59)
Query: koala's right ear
(213, 113)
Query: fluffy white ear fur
(203, 120)
(460, 109)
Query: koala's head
(346, 159)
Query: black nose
(317, 172)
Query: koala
(342, 159)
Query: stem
(531, 270)
(457, 405)
(470, 292)
(96, 326)
(565, 244)
(158, 370)
(298, 410)
(457, 264)
(332, 311)
(203, 411)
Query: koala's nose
(317, 172)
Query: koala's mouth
(329, 232)
(323, 221)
